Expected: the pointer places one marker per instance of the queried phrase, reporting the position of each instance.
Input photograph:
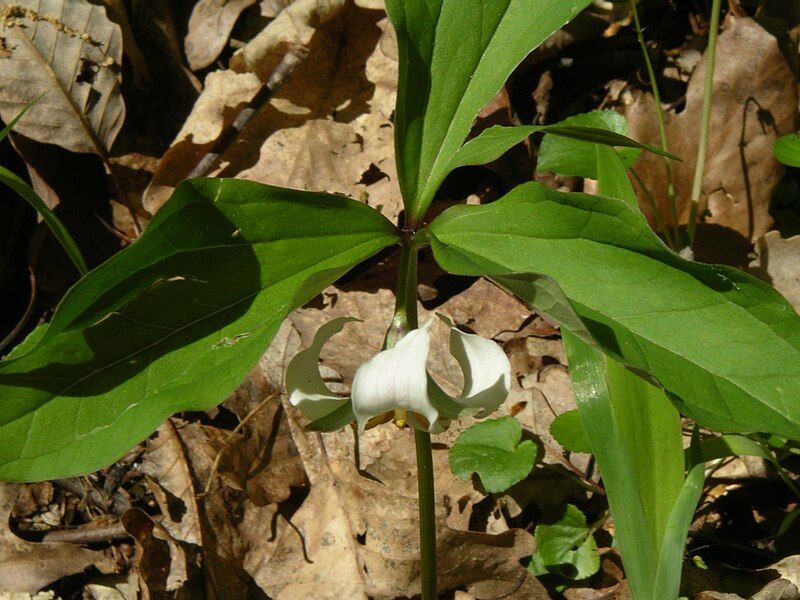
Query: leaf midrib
(646, 338)
(111, 365)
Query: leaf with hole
(175, 321)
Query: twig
(107, 533)
(12, 335)
(662, 129)
(705, 124)
(280, 75)
(226, 443)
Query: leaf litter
(243, 500)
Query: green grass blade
(53, 222)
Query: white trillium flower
(397, 379)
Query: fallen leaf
(292, 28)
(327, 128)
(369, 538)
(755, 100)
(70, 51)
(209, 28)
(26, 567)
(778, 262)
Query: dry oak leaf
(210, 26)
(755, 100)
(327, 129)
(292, 28)
(26, 567)
(71, 52)
(355, 536)
(778, 262)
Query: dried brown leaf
(327, 129)
(778, 262)
(210, 27)
(755, 100)
(72, 52)
(26, 567)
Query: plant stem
(427, 517)
(662, 129)
(705, 124)
(405, 319)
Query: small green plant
(175, 321)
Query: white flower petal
(486, 368)
(396, 379)
(306, 388)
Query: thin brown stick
(12, 335)
(88, 534)
(226, 443)
(279, 76)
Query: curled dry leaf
(755, 100)
(327, 129)
(210, 27)
(26, 567)
(778, 262)
(71, 52)
(292, 28)
(369, 535)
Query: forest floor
(242, 500)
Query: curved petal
(396, 379)
(306, 388)
(487, 373)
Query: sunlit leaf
(175, 321)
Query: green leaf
(566, 547)
(27, 193)
(694, 328)
(787, 150)
(577, 157)
(612, 176)
(725, 446)
(568, 431)
(630, 460)
(492, 449)
(175, 321)
(453, 60)
(670, 563)
(60, 232)
(650, 429)
(493, 142)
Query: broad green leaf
(693, 328)
(650, 429)
(175, 321)
(568, 431)
(588, 373)
(618, 465)
(492, 449)
(566, 547)
(787, 150)
(454, 57)
(577, 157)
(493, 142)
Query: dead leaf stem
(279, 76)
